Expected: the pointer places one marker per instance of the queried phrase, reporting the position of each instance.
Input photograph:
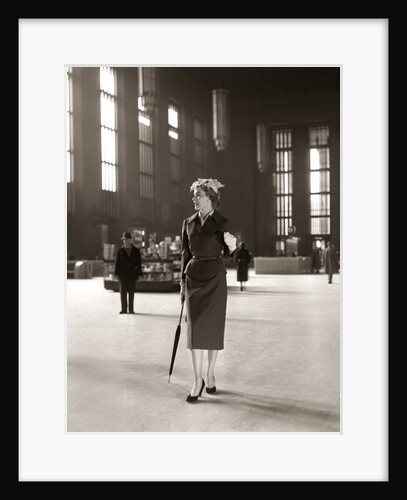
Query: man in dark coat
(331, 261)
(127, 269)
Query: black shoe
(132, 312)
(211, 390)
(193, 399)
(123, 312)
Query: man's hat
(126, 236)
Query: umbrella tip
(169, 379)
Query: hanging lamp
(148, 88)
(220, 117)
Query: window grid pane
(146, 154)
(108, 137)
(145, 128)
(320, 225)
(319, 136)
(319, 181)
(282, 179)
(320, 209)
(146, 186)
(175, 148)
(146, 159)
(173, 116)
(108, 80)
(173, 120)
(109, 154)
(175, 153)
(320, 205)
(319, 159)
(108, 177)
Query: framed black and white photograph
(204, 288)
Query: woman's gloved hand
(230, 241)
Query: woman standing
(205, 235)
(242, 259)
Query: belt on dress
(198, 257)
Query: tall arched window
(145, 127)
(108, 125)
(320, 202)
(282, 182)
(175, 152)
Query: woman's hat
(126, 236)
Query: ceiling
(248, 84)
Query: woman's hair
(211, 189)
(214, 197)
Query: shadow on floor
(271, 404)
(148, 384)
(264, 292)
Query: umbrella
(176, 340)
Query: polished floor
(279, 371)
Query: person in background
(331, 261)
(316, 260)
(127, 269)
(205, 236)
(242, 260)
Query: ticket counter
(282, 265)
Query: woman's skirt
(206, 294)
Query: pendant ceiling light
(262, 144)
(148, 87)
(220, 117)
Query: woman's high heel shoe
(211, 390)
(193, 399)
